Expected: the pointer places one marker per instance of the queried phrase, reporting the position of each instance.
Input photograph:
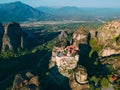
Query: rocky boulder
(12, 37)
(27, 82)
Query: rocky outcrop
(106, 39)
(63, 35)
(54, 53)
(118, 40)
(27, 82)
(63, 62)
(55, 78)
(107, 51)
(71, 80)
(109, 31)
(78, 79)
(116, 64)
(27, 42)
(81, 39)
(63, 65)
(12, 37)
(80, 36)
(62, 42)
(114, 61)
(1, 34)
(109, 37)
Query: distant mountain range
(18, 11)
(78, 13)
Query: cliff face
(26, 82)
(80, 36)
(114, 61)
(12, 37)
(81, 39)
(64, 62)
(107, 37)
(62, 35)
(78, 79)
(108, 31)
(1, 34)
(64, 68)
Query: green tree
(104, 83)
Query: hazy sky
(79, 3)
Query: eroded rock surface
(106, 39)
(27, 82)
(64, 70)
(78, 80)
(12, 37)
(62, 35)
(1, 34)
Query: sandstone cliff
(81, 39)
(12, 37)
(80, 36)
(26, 82)
(63, 35)
(106, 39)
(64, 68)
(1, 34)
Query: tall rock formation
(80, 36)
(78, 79)
(108, 31)
(26, 82)
(1, 34)
(81, 39)
(12, 37)
(108, 36)
(64, 69)
(63, 35)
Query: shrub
(92, 87)
(95, 45)
(95, 79)
(116, 87)
(104, 83)
(97, 89)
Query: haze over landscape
(60, 45)
(78, 3)
(24, 12)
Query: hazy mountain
(77, 13)
(18, 11)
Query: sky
(78, 3)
